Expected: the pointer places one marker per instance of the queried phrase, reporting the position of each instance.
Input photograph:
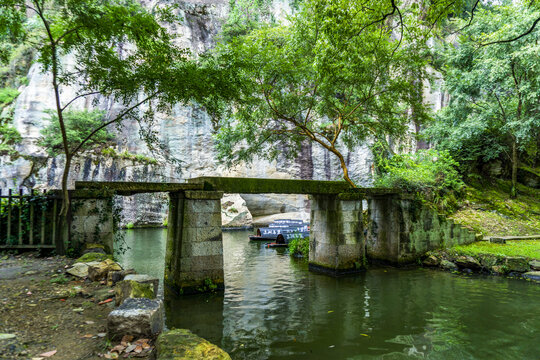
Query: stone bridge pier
(336, 241)
(194, 255)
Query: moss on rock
(93, 256)
(126, 289)
(183, 344)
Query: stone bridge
(399, 229)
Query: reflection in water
(273, 308)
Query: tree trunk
(513, 192)
(344, 167)
(63, 219)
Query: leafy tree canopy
(494, 90)
(341, 72)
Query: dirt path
(47, 310)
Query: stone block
(350, 216)
(534, 264)
(126, 289)
(517, 264)
(532, 275)
(101, 270)
(183, 344)
(431, 260)
(203, 206)
(115, 276)
(206, 248)
(138, 317)
(350, 205)
(448, 265)
(198, 220)
(467, 262)
(201, 263)
(80, 269)
(497, 240)
(144, 279)
(196, 234)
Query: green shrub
(130, 225)
(60, 279)
(126, 155)
(299, 247)
(7, 95)
(79, 124)
(432, 175)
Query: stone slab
(138, 317)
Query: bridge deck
(131, 187)
(235, 185)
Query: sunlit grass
(489, 210)
(525, 248)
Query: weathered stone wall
(336, 242)
(92, 222)
(401, 230)
(194, 254)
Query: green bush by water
(299, 247)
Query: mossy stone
(126, 289)
(517, 264)
(93, 256)
(183, 344)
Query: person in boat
(280, 239)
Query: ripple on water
(273, 308)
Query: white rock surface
(234, 211)
(81, 269)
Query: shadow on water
(273, 308)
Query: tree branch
(514, 38)
(118, 118)
(78, 97)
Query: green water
(273, 308)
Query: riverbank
(45, 311)
(520, 258)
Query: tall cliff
(187, 133)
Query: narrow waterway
(273, 308)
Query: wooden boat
(284, 230)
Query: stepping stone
(142, 318)
(144, 279)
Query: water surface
(273, 308)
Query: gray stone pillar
(382, 238)
(336, 241)
(194, 255)
(91, 219)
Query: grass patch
(524, 248)
(489, 210)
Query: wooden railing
(27, 220)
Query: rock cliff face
(187, 133)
